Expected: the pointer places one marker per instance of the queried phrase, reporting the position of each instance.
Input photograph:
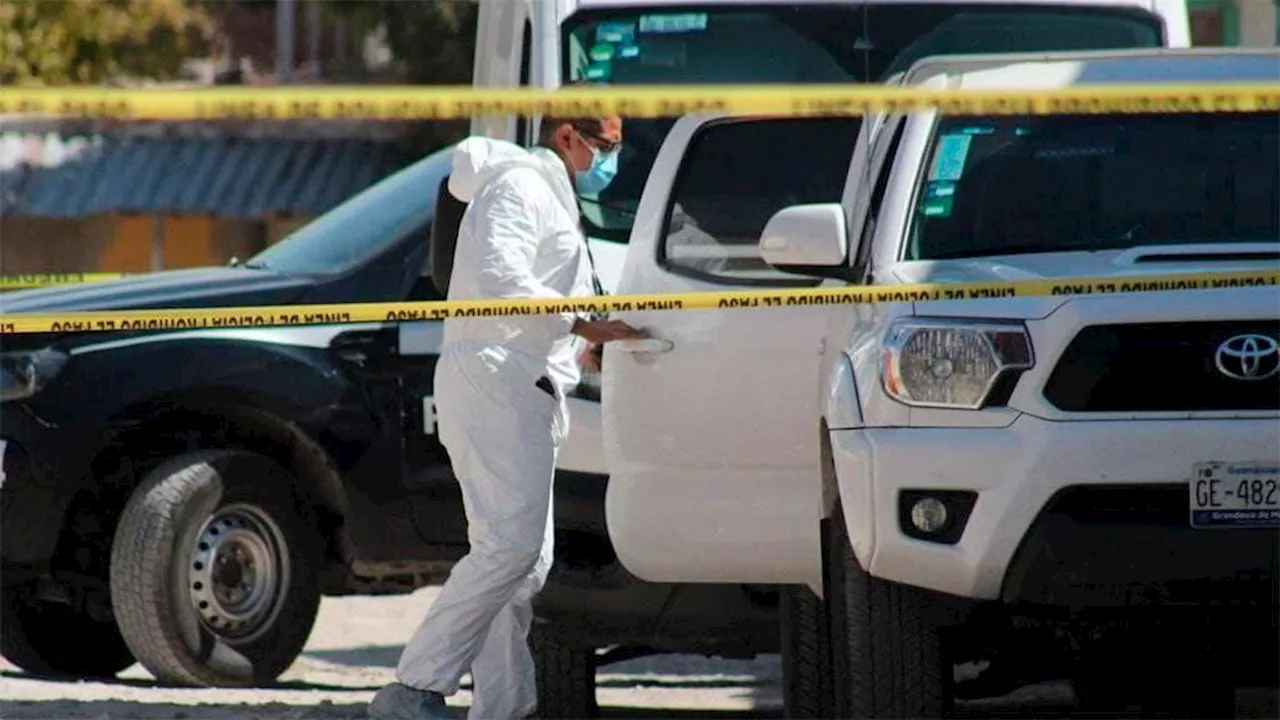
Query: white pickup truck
(591, 601)
(971, 479)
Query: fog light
(929, 515)
(935, 515)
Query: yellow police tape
(638, 101)
(275, 316)
(33, 280)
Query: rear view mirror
(444, 236)
(806, 236)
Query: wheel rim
(239, 569)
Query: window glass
(797, 44)
(736, 175)
(1012, 185)
(363, 226)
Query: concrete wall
(1250, 23)
(35, 245)
(110, 243)
(1258, 23)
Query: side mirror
(806, 236)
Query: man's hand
(589, 358)
(603, 331)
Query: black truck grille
(1155, 367)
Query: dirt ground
(353, 651)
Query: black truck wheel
(213, 571)
(806, 655)
(34, 635)
(566, 676)
(886, 652)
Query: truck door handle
(645, 345)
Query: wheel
(34, 633)
(213, 571)
(806, 655)
(566, 676)
(886, 651)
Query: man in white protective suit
(500, 389)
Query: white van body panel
(501, 33)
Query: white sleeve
(507, 235)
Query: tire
(34, 633)
(886, 652)
(566, 676)
(807, 690)
(213, 571)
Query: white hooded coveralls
(519, 237)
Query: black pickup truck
(184, 497)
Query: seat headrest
(1029, 201)
(444, 236)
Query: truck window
(802, 43)
(1018, 185)
(734, 177)
(362, 226)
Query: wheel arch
(146, 432)
(830, 491)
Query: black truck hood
(210, 287)
(194, 288)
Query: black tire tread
(144, 536)
(806, 655)
(566, 676)
(892, 647)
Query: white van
(548, 43)
(999, 479)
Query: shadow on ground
(147, 683)
(124, 710)
(383, 656)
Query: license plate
(1235, 494)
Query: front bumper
(1090, 512)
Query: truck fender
(846, 474)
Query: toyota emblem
(1248, 357)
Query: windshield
(809, 43)
(361, 227)
(1012, 185)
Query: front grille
(1152, 367)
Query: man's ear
(564, 136)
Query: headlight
(951, 363)
(23, 374)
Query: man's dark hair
(546, 133)
(589, 125)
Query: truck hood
(197, 287)
(1119, 264)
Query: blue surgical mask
(593, 180)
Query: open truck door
(714, 417)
